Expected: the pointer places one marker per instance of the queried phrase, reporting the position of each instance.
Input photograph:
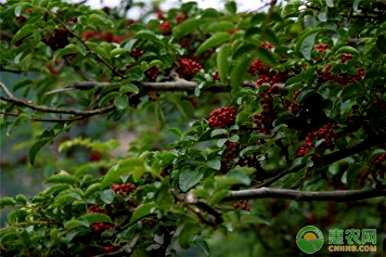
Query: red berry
(262, 79)
(86, 35)
(123, 188)
(58, 39)
(361, 73)
(160, 14)
(321, 48)
(118, 39)
(109, 248)
(136, 52)
(152, 73)
(96, 209)
(222, 117)
(257, 66)
(165, 27)
(266, 45)
(215, 76)
(95, 156)
(181, 17)
(187, 67)
(345, 57)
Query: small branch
(334, 196)
(180, 85)
(54, 120)
(42, 108)
(123, 251)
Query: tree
(285, 107)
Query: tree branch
(334, 196)
(325, 160)
(54, 120)
(180, 85)
(42, 108)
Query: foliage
(298, 98)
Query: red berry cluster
(215, 76)
(181, 17)
(242, 205)
(326, 132)
(187, 67)
(266, 45)
(95, 156)
(165, 27)
(99, 227)
(152, 73)
(345, 57)
(257, 66)
(343, 79)
(378, 160)
(123, 188)
(272, 79)
(321, 48)
(110, 248)
(96, 209)
(263, 120)
(222, 117)
(136, 52)
(58, 39)
(230, 152)
(103, 36)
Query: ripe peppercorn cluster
(99, 227)
(188, 67)
(378, 160)
(95, 209)
(136, 52)
(222, 117)
(230, 152)
(343, 79)
(58, 39)
(152, 73)
(123, 188)
(103, 36)
(242, 205)
(326, 132)
(263, 121)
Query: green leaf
(355, 5)
(107, 196)
(121, 102)
(24, 32)
(6, 201)
(223, 61)
(265, 56)
(92, 189)
(189, 178)
(132, 166)
(62, 178)
(143, 210)
(220, 26)
(186, 27)
(69, 49)
(128, 88)
(21, 199)
(214, 164)
(99, 20)
(347, 49)
(238, 72)
(36, 148)
(91, 218)
(306, 41)
(215, 40)
(231, 7)
(330, 3)
(73, 223)
(119, 51)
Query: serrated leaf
(91, 218)
(215, 40)
(188, 179)
(223, 61)
(186, 27)
(142, 211)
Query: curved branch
(42, 108)
(54, 120)
(334, 196)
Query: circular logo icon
(309, 239)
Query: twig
(42, 108)
(55, 120)
(334, 196)
(128, 249)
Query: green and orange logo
(310, 239)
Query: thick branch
(334, 196)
